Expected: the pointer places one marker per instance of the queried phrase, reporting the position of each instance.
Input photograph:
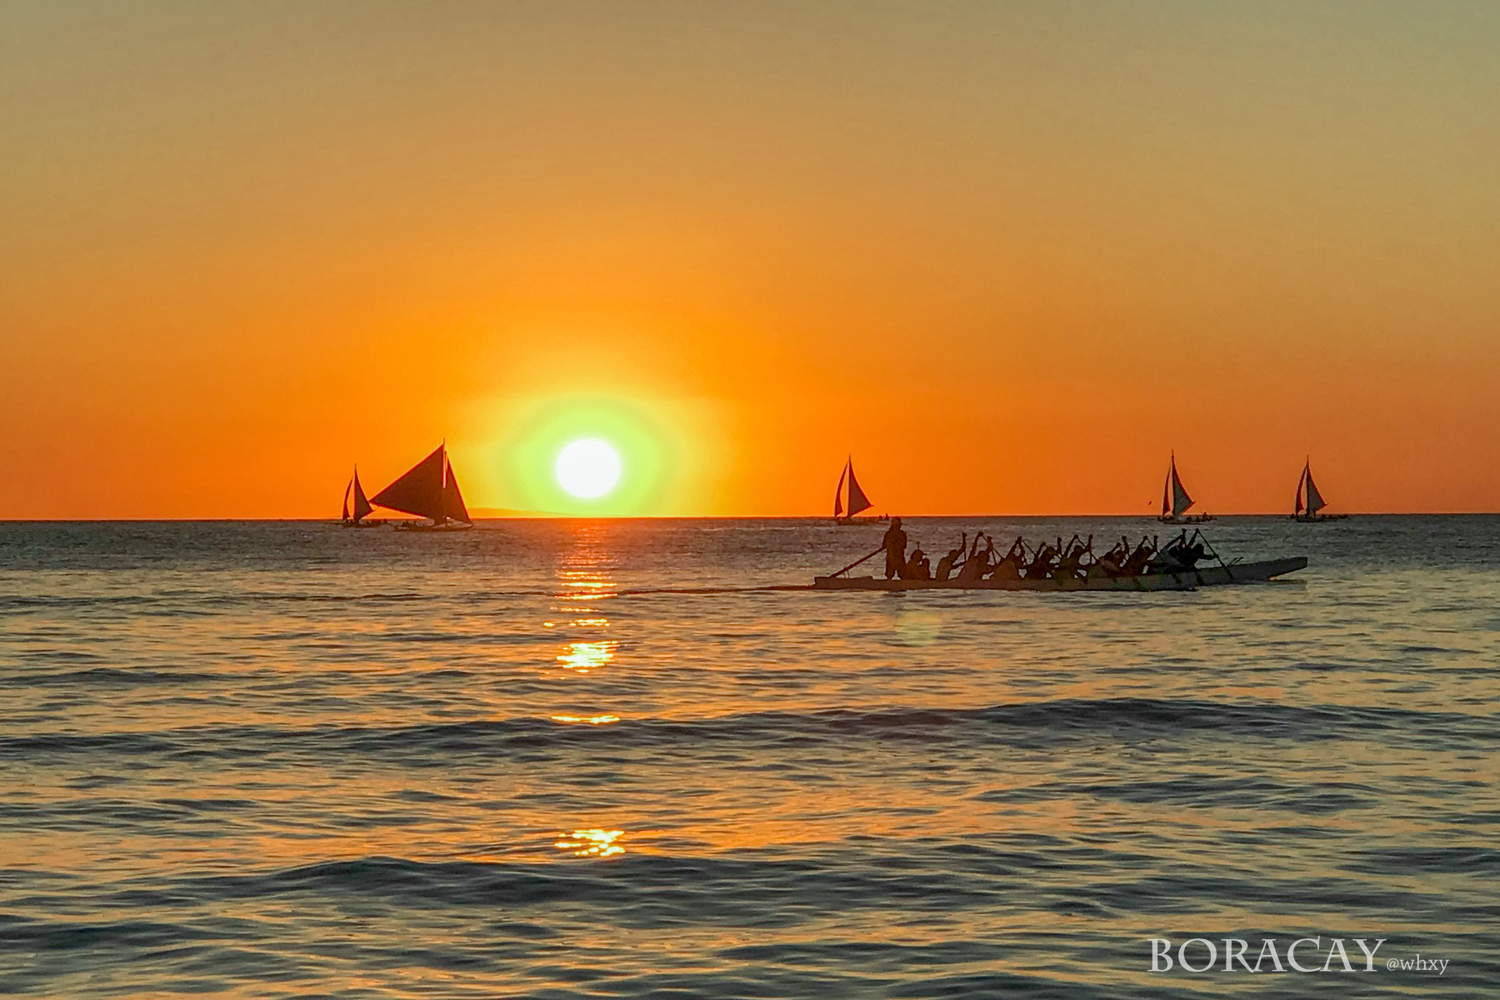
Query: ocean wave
(663, 891)
(1216, 791)
(24, 934)
(108, 677)
(74, 601)
(658, 890)
(1469, 861)
(185, 601)
(1039, 725)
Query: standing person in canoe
(895, 550)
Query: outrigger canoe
(1204, 576)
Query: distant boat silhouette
(1309, 503)
(428, 490)
(849, 499)
(1175, 500)
(362, 506)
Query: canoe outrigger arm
(861, 559)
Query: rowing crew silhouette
(1022, 561)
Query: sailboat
(1310, 503)
(427, 490)
(362, 506)
(849, 499)
(1175, 500)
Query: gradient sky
(1007, 254)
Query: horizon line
(548, 516)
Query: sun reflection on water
(583, 581)
(593, 720)
(583, 585)
(593, 843)
(586, 656)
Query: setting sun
(588, 468)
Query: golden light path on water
(592, 720)
(594, 843)
(586, 656)
(584, 582)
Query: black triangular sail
(1174, 496)
(420, 490)
(857, 499)
(362, 506)
(1315, 501)
(453, 500)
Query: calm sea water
(284, 759)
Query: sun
(587, 468)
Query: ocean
(583, 759)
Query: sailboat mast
(442, 515)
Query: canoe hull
(1207, 576)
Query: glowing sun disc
(587, 468)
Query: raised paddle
(1198, 533)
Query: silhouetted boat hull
(1207, 576)
(424, 526)
(846, 521)
(1186, 518)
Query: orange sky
(1007, 254)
